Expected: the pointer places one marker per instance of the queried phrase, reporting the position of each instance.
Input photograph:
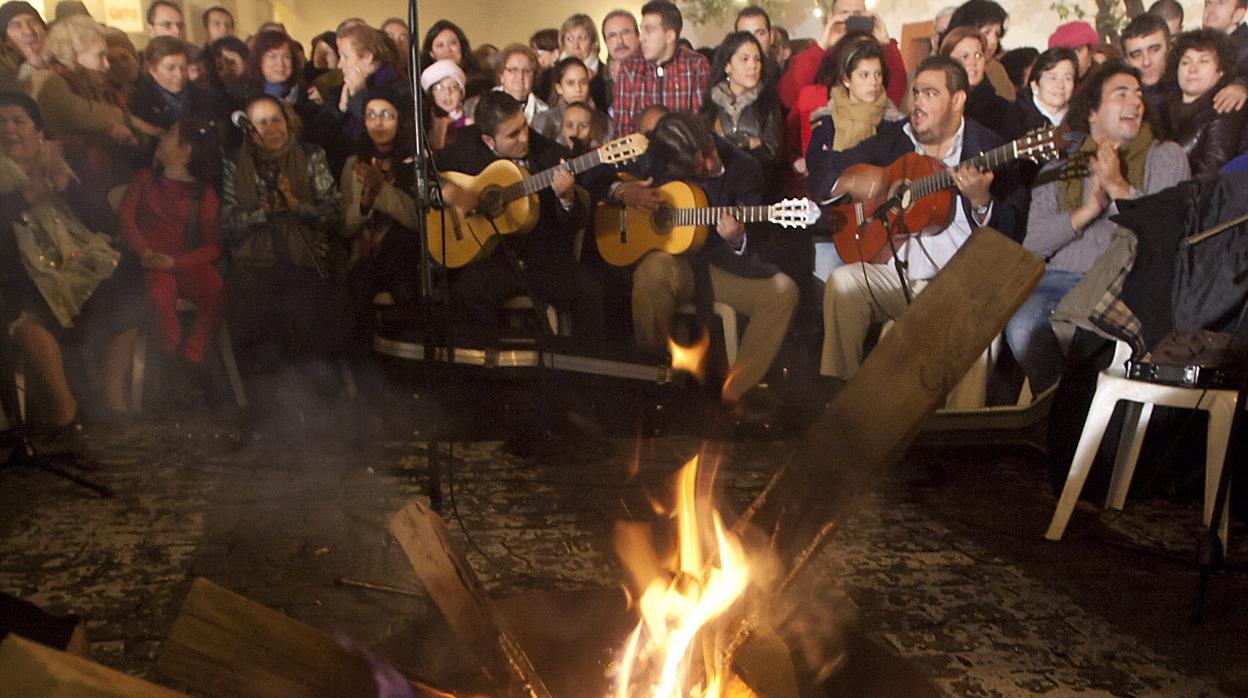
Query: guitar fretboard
(710, 215)
(537, 182)
(938, 181)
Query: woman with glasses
(379, 213)
(517, 68)
(969, 48)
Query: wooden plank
(904, 379)
(462, 599)
(227, 646)
(31, 670)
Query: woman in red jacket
(170, 218)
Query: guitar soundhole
(662, 219)
(490, 201)
(837, 220)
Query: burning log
(463, 601)
(31, 670)
(227, 646)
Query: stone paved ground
(944, 560)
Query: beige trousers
(662, 283)
(855, 297)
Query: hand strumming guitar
(731, 230)
(639, 195)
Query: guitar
(624, 235)
(925, 194)
(506, 202)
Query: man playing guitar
(683, 148)
(859, 294)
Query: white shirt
(927, 254)
(1054, 118)
(532, 106)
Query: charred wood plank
(463, 601)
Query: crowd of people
(126, 186)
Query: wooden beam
(462, 599)
(227, 646)
(31, 670)
(904, 379)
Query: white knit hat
(439, 71)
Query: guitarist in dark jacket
(859, 294)
(683, 148)
(539, 263)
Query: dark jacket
(1210, 139)
(755, 114)
(891, 142)
(556, 227)
(990, 109)
(149, 104)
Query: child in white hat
(445, 82)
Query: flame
(690, 359)
(677, 648)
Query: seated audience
(170, 218)
(61, 280)
(21, 52)
(273, 68)
(279, 209)
(446, 115)
(1047, 97)
(984, 105)
(164, 95)
(1201, 63)
(989, 19)
(1069, 223)
(379, 213)
(739, 106)
(517, 67)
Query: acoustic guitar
(679, 226)
(923, 197)
(506, 202)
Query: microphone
(239, 119)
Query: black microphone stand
(893, 205)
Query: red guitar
(925, 193)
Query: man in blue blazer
(859, 294)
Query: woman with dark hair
(571, 86)
(1201, 63)
(324, 56)
(983, 104)
(170, 217)
(848, 101)
(379, 213)
(1047, 97)
(60, 279)
(738, 105)
(990, 20)
(226, 63)
(275, 68)
(446, 40)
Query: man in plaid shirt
(663, 73)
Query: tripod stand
(23, 453)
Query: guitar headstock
(793, 213)
(624, 149)
(1038, 145)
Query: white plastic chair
(1112, 385)
(727, 319)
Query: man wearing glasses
(165, 19)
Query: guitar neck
(711, 214)
(537, 182)
(939, 181)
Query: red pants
(200, 285)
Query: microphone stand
(882, 215)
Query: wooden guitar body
(870, 243)
(624, 235)
(457, 238)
